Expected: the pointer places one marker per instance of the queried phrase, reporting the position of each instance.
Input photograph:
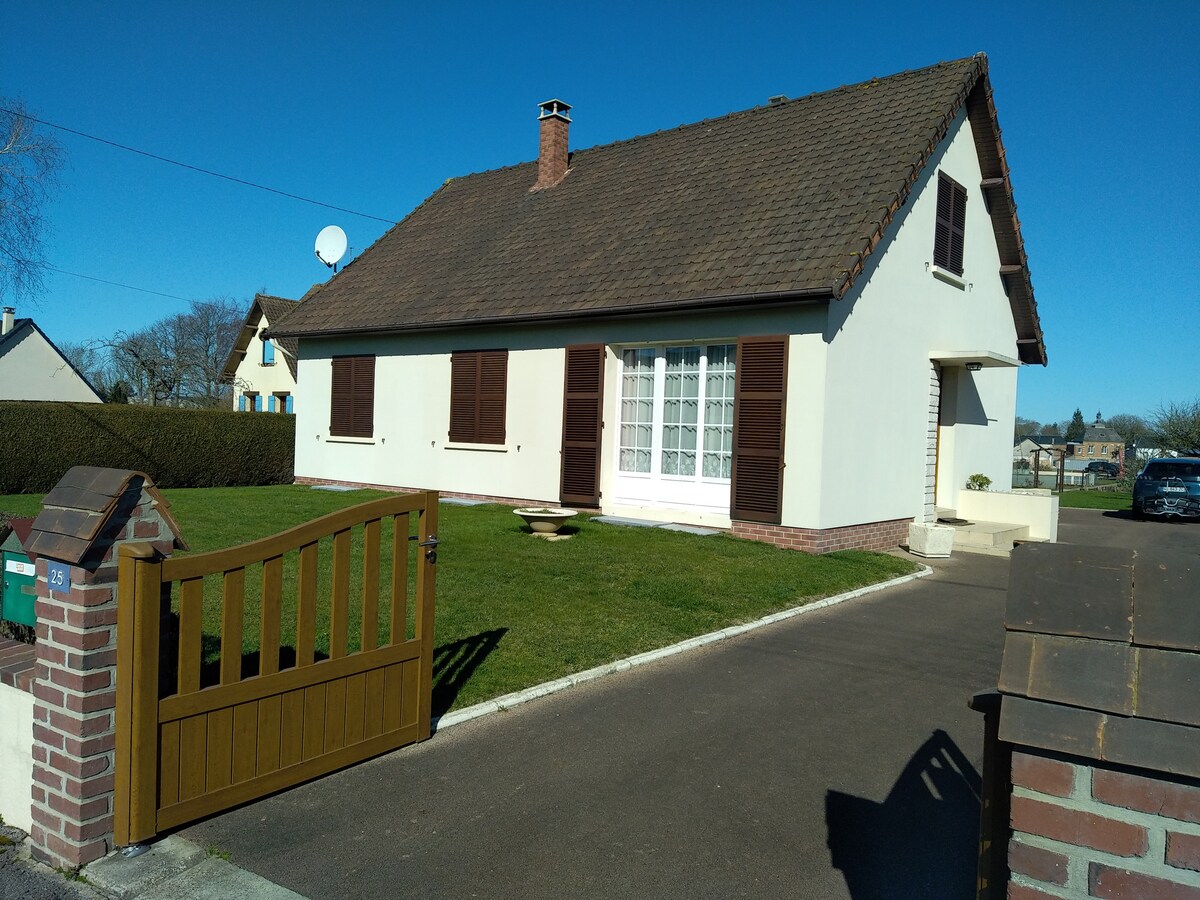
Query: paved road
(1118, 528)
(830, 756)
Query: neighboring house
(263, 370)
(1047, 447)
(710, 324)
(33, 368)
(1101, 442)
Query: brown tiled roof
(783, 201)
(276, 309)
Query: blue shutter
(287, 404)
(242, 403)
(268, 353)
(258, 403)
(271, 403)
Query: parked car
(1107, 469)
(1168, 487)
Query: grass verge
(514, 611)
(1095, 500)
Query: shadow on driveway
(922, 841)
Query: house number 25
(58, 577)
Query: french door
(675, 444)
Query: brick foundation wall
(1082, 829)
(488, 498)
(870, 536)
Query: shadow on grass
(456, 662)
(922, 840)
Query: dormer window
(951, 225)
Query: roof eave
(732, 301)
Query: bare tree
(1177, 427)
(29, 163)
(1130, 427)
(179, 360)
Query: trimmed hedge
(40, 441)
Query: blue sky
(371, 106)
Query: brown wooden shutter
(363, 385)
(759, 407)
(478, 396)
(583, 400)
(352, 398)
(950, 228)
(493, 397)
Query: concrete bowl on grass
(544, 519)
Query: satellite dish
(331, 246)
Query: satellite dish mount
(331, 246)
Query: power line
(182, 165)
(114, 283)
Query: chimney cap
(554, 109)
(777, 99)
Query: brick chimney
(554, 121)
(6, 320)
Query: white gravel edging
(508, 701)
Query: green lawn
(1095, 500)
(514, 610)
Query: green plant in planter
(978, 482)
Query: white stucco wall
(874, 440)
(412, 405)
(16, 756)
(252, 375)
(31, 369)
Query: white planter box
(930, 540)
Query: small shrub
(978, 482)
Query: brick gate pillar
(84, 520)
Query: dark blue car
(1168, 487)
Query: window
(950, 225)
(1091, 449)
(1104, 450)
(268, 354)
(352, 398)
(251, 401)
(283, 402)
(478, 396)
(677, 411)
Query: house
(1046, 448)
(263, 370)
(1101, 442)
(33, 368)
(710, 324)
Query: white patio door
(675, 447)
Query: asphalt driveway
(832, 755)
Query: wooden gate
(199, 732)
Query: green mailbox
(18, 593)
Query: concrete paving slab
(461, 501)
(126, 878)
(336, 488)
(691, 529)
(632, 523)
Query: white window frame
(656, 487)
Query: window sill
(949, 277)
(346, 439)
(487, 448)
(267, 365)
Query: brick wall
(1082, 829)
(488, 498)
(869, 536)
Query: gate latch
(431, 542)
